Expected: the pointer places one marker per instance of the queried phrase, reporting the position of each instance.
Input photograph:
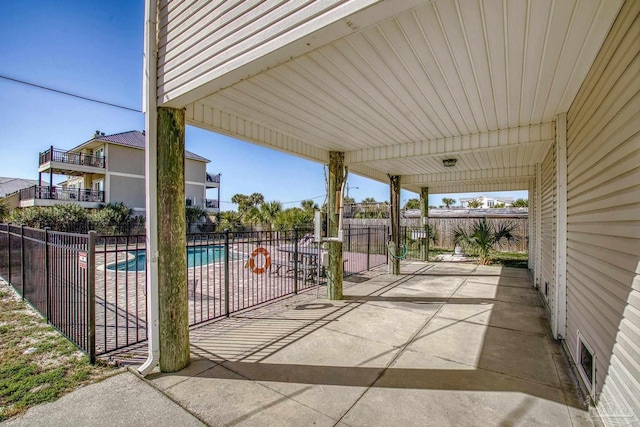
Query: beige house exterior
(110, 169)
(525, 95)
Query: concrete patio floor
(442, 344)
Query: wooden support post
(334, 270)
(172, 257)
(394, 196)
(424, 220)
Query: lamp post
(348, 188)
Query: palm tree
(246, 204)
(448, 202)
(520, 203)
(308, 205)
(483, 236)
(475, 203)
(267, 213)
(294, 217)
(412, 204)
(230, 220)
(193, 214)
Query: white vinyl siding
(603, 237)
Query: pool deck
(121, 295)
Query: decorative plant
(475, 203)
(483, 236)
(193, 214)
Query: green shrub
(111, 219)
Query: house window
(98, 152)
(490, 203)
(98, 185)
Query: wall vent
(546, 289)
(586, 363)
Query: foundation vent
(586, 363)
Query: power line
(69, 94)
(308, 198)
(116, 106)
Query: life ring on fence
(267, 261)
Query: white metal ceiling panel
(446, 74)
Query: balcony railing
(60, 193)
(203, 203)
(213, 178)
(61, 156)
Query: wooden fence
(444, 226)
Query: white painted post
(560, 300)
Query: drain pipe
(151, 183)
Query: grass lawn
(510, 259)
(37, 364)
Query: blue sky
(94, 49)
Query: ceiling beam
(523, 135)
(426, 180)
(219, 121)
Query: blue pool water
(196, 256)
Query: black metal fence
(93, 288)
(54, 272)
(364, 248)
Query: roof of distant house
(468, 213)
(481, 197)
(10, 185)
(135, 139)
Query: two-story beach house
(110, 169)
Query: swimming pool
(196, 256)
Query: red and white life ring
(252, 261)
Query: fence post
(47, 275)
(9, 252)
(22, 269)
(349, 238)
(295, 260)
(226, 272)
(368, 247)
(91, 295)
(428, 234)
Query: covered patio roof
(397, 86)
